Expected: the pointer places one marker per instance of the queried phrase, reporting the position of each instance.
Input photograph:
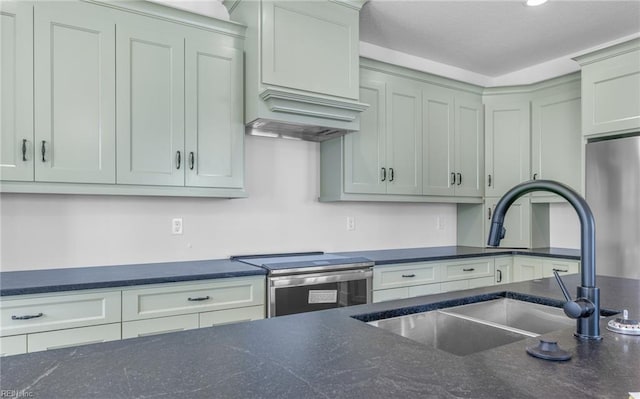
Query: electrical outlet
(351, 223)
(176, 226)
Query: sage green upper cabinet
(517, 222)
(404, 138)
(453, 143)
(323, 57)
(507, 142)
(150, 87)
(74, 84)
(611, 89)
(301, 64)
(16, 89)
(556, 138)
(365, 151)
(214, 138)
(438, 141)
(469, 145)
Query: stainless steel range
(304, 282)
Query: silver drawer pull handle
(200, 298)
(499, 276)
(27, 317)
(468, 270)
(408, 275)
(560, 270)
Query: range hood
(302, 67)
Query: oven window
(290, 300)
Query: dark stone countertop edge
(171, 272)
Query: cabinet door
(507, 146)
(16, 89)
(214, 120)
(74, 58)
(404, 138)
(438, 144)
(364, 151)
(469, 145)
(556, 140)
(611, 95)
(504, 270)
(311, 46)
(150, 90)
(525, 268)
(517, 222)
(161, 325)
(73, 337)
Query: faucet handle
(577, 309)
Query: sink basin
(531, 317)
(471, 328)
(449, 333)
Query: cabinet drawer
(13, 345)
(390, 295)
(73, 337)
(468, 269)
(220, 317)
(394, 276)
(426, 289)
(176, 299)
(161, 325)
(525, 268)
(58, 311)
(458, 285)
(562, 266)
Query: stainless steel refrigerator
(613, 193)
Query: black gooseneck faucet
(586, 308)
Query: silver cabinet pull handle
(499, 276)
(535, 176)
(27, 316)
(489, 213)
(24, 150)
(469, 269)
(43, 150)
(391, 170)
(384, 174)
(453, 178)
(408, 275)
(199, 298)
(178, 159)
(459, 178)
(489, 178)
(191, 160)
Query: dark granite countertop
(82, 278)
(328, 354)
(405, 255)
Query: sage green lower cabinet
(526, 268)
(504, 269)
(73, 337)
(162, 325)
(237, 315)
(562, 266)
(13, 345)
(181, 306)
(460, 285)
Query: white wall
(564, 226)
(281, 214)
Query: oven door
(308, 292)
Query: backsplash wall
(281, 214)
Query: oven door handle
(320, 278)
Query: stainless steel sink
(467, 329)
(527, 316)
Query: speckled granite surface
(54, 280)
(405, 255)
(329, 354)
(82, 278)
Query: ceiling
(496, 38)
